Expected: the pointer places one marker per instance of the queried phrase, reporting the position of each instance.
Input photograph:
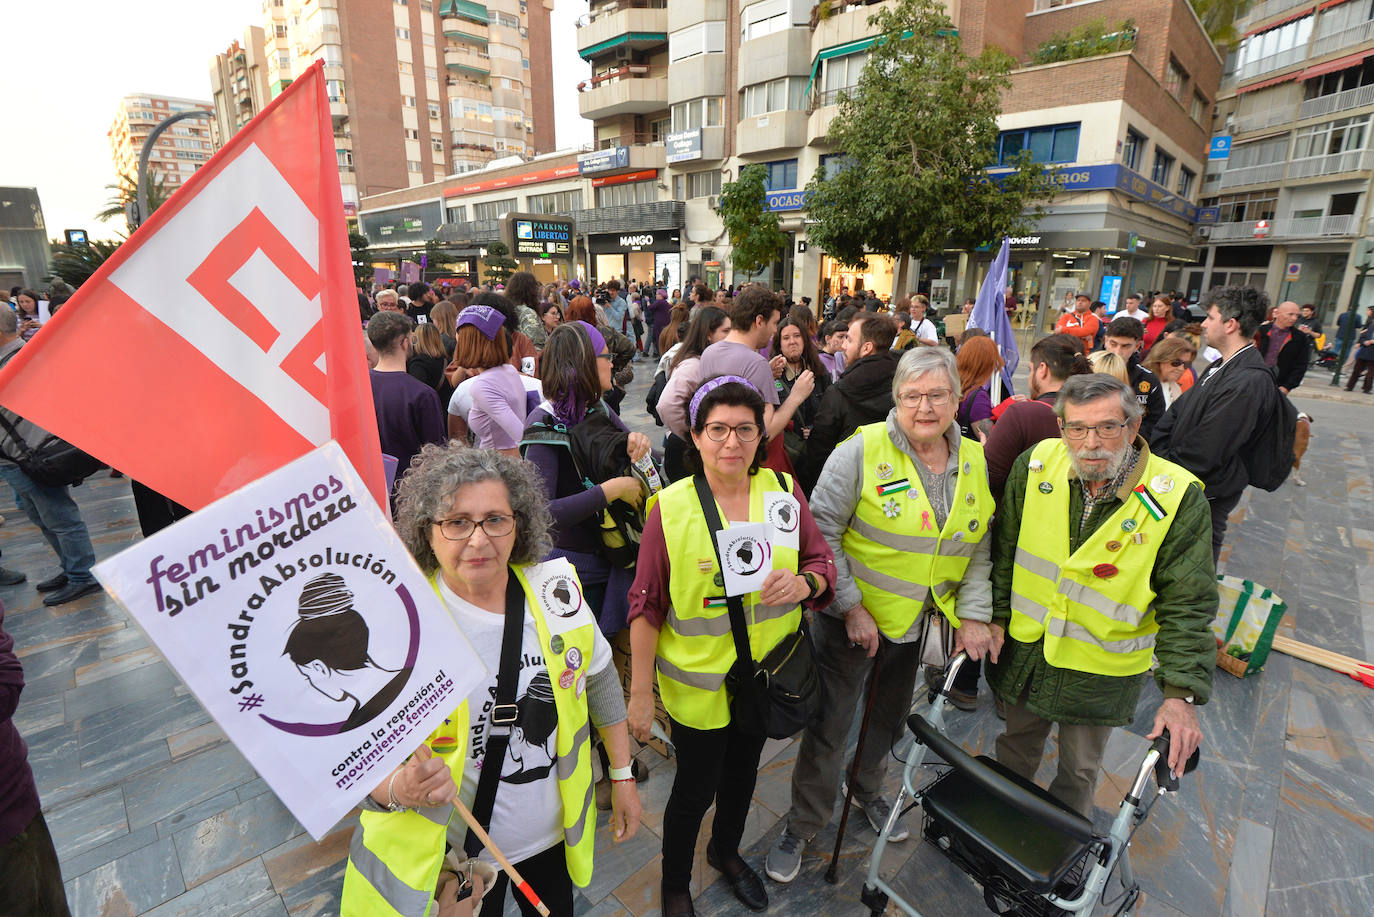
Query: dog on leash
(1300, 440)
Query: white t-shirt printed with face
(526, 818)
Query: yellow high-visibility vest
(897, 553)
(394, 857)
(695, 646)
(1093, 607)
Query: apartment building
(682, 95)
(419, 89)
(1287, 190)
(180, 150)
(238, 84)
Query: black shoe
(676, 904)
(10, 577)
(745, 883)
(71, 592)
(51, 583)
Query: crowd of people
(906, 504)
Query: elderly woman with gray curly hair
(517, 752)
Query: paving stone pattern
(154, 813)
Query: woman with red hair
(978, 359)
(622, 349)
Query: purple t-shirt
(408, 416)
(498, 408)
(1277, 338)
(726, 358)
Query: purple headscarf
(571, 407)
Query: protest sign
(746, 557)
(294, 613)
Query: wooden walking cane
(831, 874)
(516, 879)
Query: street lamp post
(1364, 254)
(141, 207)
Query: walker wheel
(874, 900)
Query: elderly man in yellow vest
(1102, 562)
(905, 506)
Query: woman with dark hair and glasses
(679, 624)
(794, 341)
(477, 524)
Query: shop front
(840, 279)
(637, 256)
(543, 244)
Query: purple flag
(990, 314)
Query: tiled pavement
(155, 813)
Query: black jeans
(1361, 366)
(1221, 508)
(713, 765)
(30, 877)
(547, 874)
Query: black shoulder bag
(54, 462)
(503, 714)
(781, 695)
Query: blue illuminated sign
(776, 201)
(1094, 178)
(1220, 148)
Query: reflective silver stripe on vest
(769, 613)
(408, 901)
(963, 548)
(573, 833)
(1029, 608)
(1086, 595)
(706, 681)
(1058, 627)
(717, 626)
(915, 544)
(567, 764)
(440, 815)
(946, 587)
(1037, 565)
(914, 591)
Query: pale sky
(64, 77)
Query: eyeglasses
(494, 526)
(720, 432)
(937, 398)
(605, 356)
(1178, 363)
(1110, 429)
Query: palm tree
(126, 190)
(76, 263)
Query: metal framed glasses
(938, 398)
(494, 526)
(720, 432)
(1108, 429)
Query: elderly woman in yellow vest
(477, 524)
(905, 505)
(679, 623)
(1102, 567)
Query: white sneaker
(784, 860)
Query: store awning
(1267, 83)
(1332, 66)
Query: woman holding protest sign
(681, 608)
(477, 523)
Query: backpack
(597, 448)
(1269, 455)
(655, 393)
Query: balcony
(1251, 69)
(1351, 161)
(1274, 114)
(1267, 174)
(465, 30)
(1317, 227)
(465, 58)
(465, 9)
(1267, 9)
(1355, 35)
(627, 90)
(777, 130)
(1338, 101)
(631, 25)
(338, 112)
(822, 107)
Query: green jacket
(1185, 584)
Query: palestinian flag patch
(1148, 500)
(893, 487)
(717, 601)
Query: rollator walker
(1032, 855)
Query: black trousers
(30, 877)
(1221, 508)
(713, 765)
(547, 874)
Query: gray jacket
(31, 433)
(837, 496)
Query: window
(702, 38)
(345, 158)
(455, 213)
(408, 101)
(403, 34)
(782, 175)
(1344, 205)
(841, 74)
(555, 202)
(493, 210)
(835, 163)
(437, 144)
(431, 73)
(1278, 47)
(697, 113)
(434, 111)
(1174, 79)
(1256, 205)
(1340, 136)
(412, 134)
(1164, 167)
(775, 95)
(1132, 150)
(412, 165)
(334, 89)
(404, 66)
(771, 16)
(1199, 110)
(1185, 181)
(696, 184)
(636, 192)
(1056, 143)
(658, 129)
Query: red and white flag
(222, 340)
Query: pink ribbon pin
(925, 519)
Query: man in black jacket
(863, 394)
(1285, 349)
(1212, 425)
(1123, 338)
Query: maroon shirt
(649, 594)
(1022, 425)
(18, 794)
(1277, 338)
